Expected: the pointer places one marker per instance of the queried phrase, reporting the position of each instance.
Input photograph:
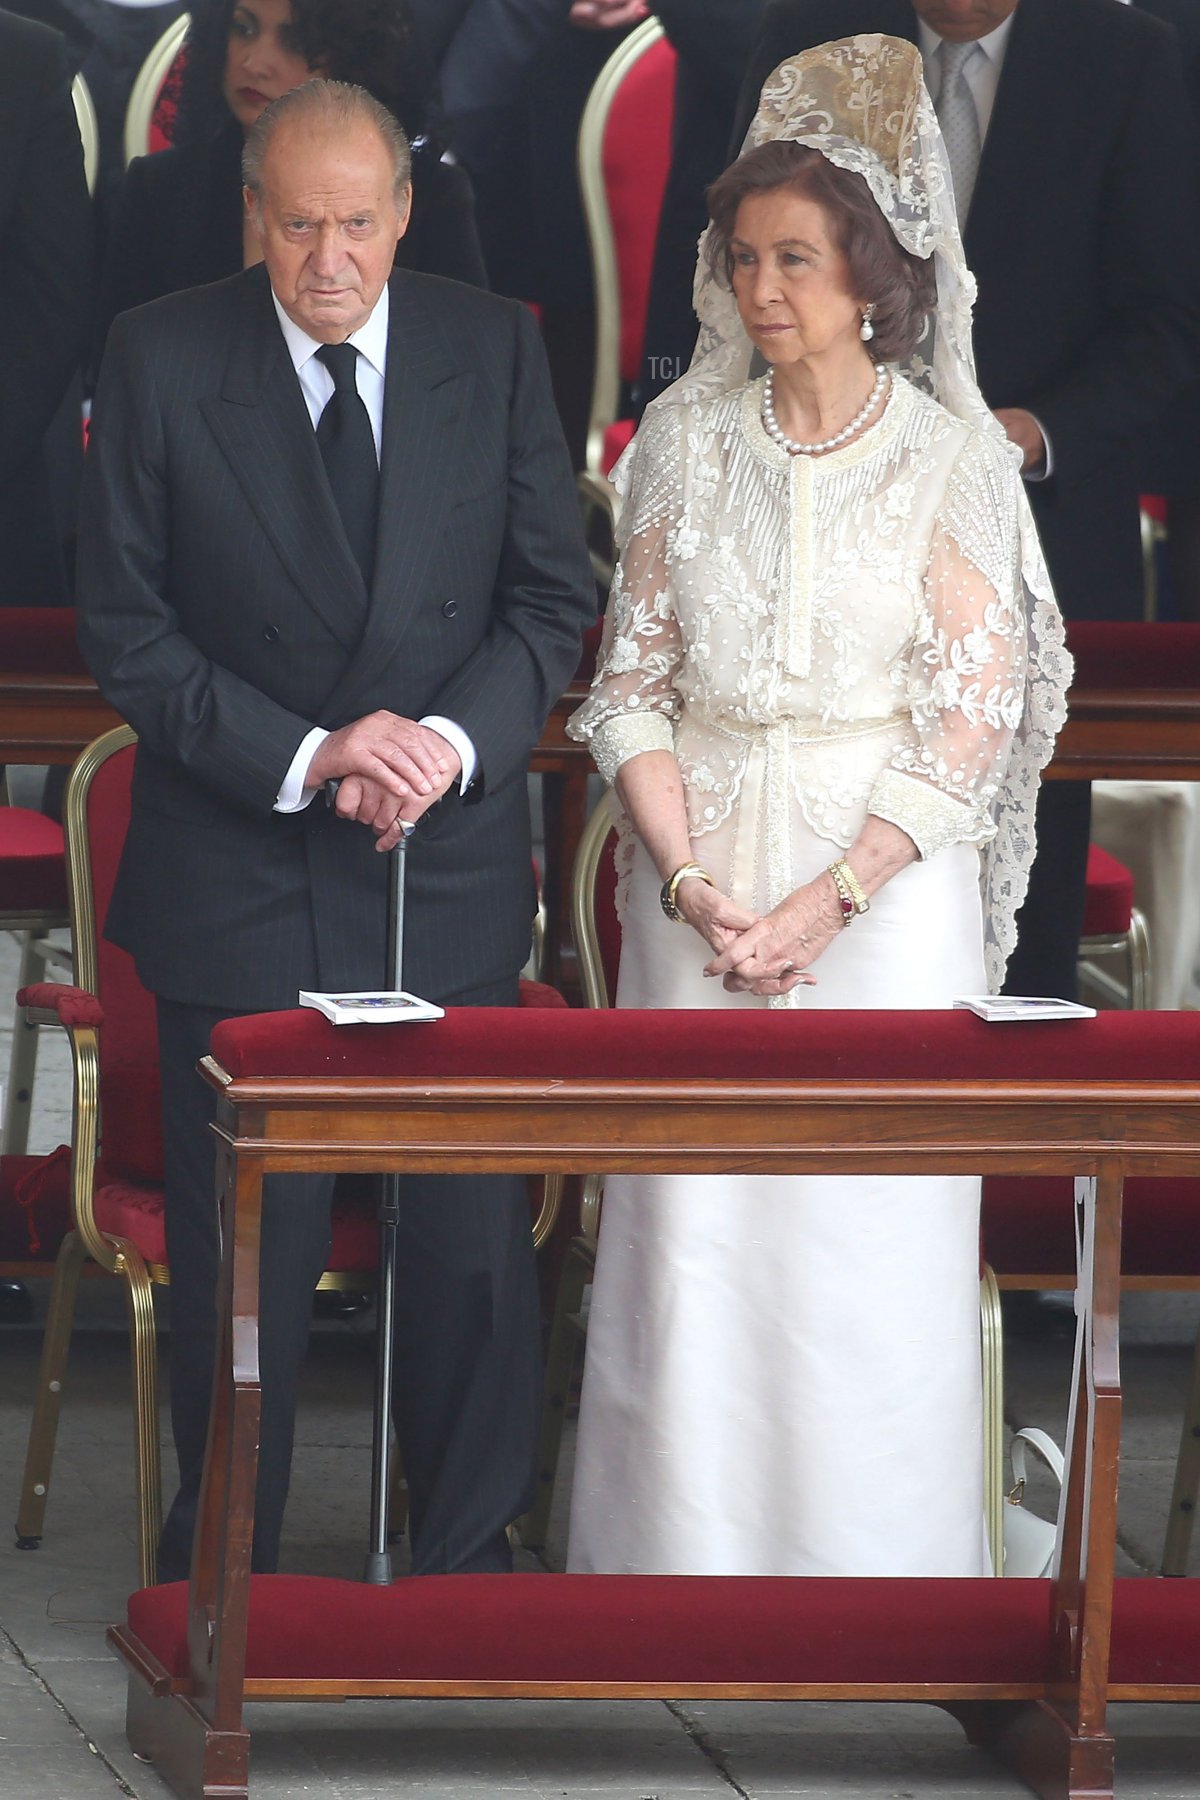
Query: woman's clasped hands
(769, 955)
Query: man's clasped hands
(389, 770)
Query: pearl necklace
(774, 430)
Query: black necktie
(347, 446)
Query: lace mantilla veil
(862, 102)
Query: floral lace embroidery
(757, 605)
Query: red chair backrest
(636, 157)
(131, 1125)
(162, 119)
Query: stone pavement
(62, 1693)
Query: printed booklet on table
(372, 1007)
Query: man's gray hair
(336, 105)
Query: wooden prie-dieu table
(1027, 1666)
(1134, 713)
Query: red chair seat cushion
(1028, 1226)
(33, 869)
(125, 1210)
(1109, 902)
(35, 1205)
(1156, 1632)
(628, 1628)
(819, 1046)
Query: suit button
(449, 609)
(271, 634)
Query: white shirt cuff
(293, 796)
(1047, 468)
(458, 740)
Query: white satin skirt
(783, 1372)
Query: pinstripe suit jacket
(223, 614)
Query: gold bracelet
(671, 887)
(850, 894)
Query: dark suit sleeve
(184, 706)
(442, 238)
(716, 36)
(1148, 275)
(545, 594)
(131, 260)
(45, 260)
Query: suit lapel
(426, 412)
(1014, 150)
(261, 422)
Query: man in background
(1070, 144)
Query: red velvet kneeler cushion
(810, 1046)
(1029, 1225)
(664, 1628)
(1124, 656)
(1156, 1631)
(33, 869)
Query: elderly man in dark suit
(330, 532)
(1068, 132)
(45, 265)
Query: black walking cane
(377, 1569)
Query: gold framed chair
(597, 939)
(116, 1147)
(623, 155)
(148, 86)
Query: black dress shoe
(16, 1303)
(339, 1303)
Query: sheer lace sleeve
(633, 704)
(966, 679)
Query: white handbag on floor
(1029, 1540)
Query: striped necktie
(960, 123)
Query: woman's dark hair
(374, 44)
(901, 286)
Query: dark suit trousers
(468, 1360)
(1050, 922)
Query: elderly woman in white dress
(831, 674)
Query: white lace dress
(782, 1373)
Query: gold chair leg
(566, 1336)
(1139, 961)
(1186, 1492)
(991, 1335)
(139, 1295)
(43, 1427)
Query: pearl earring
(866, 330)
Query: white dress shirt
(316, 384)
(982, 76)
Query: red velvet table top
(39, 640)
(1136, 655)
(1123, 1047)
